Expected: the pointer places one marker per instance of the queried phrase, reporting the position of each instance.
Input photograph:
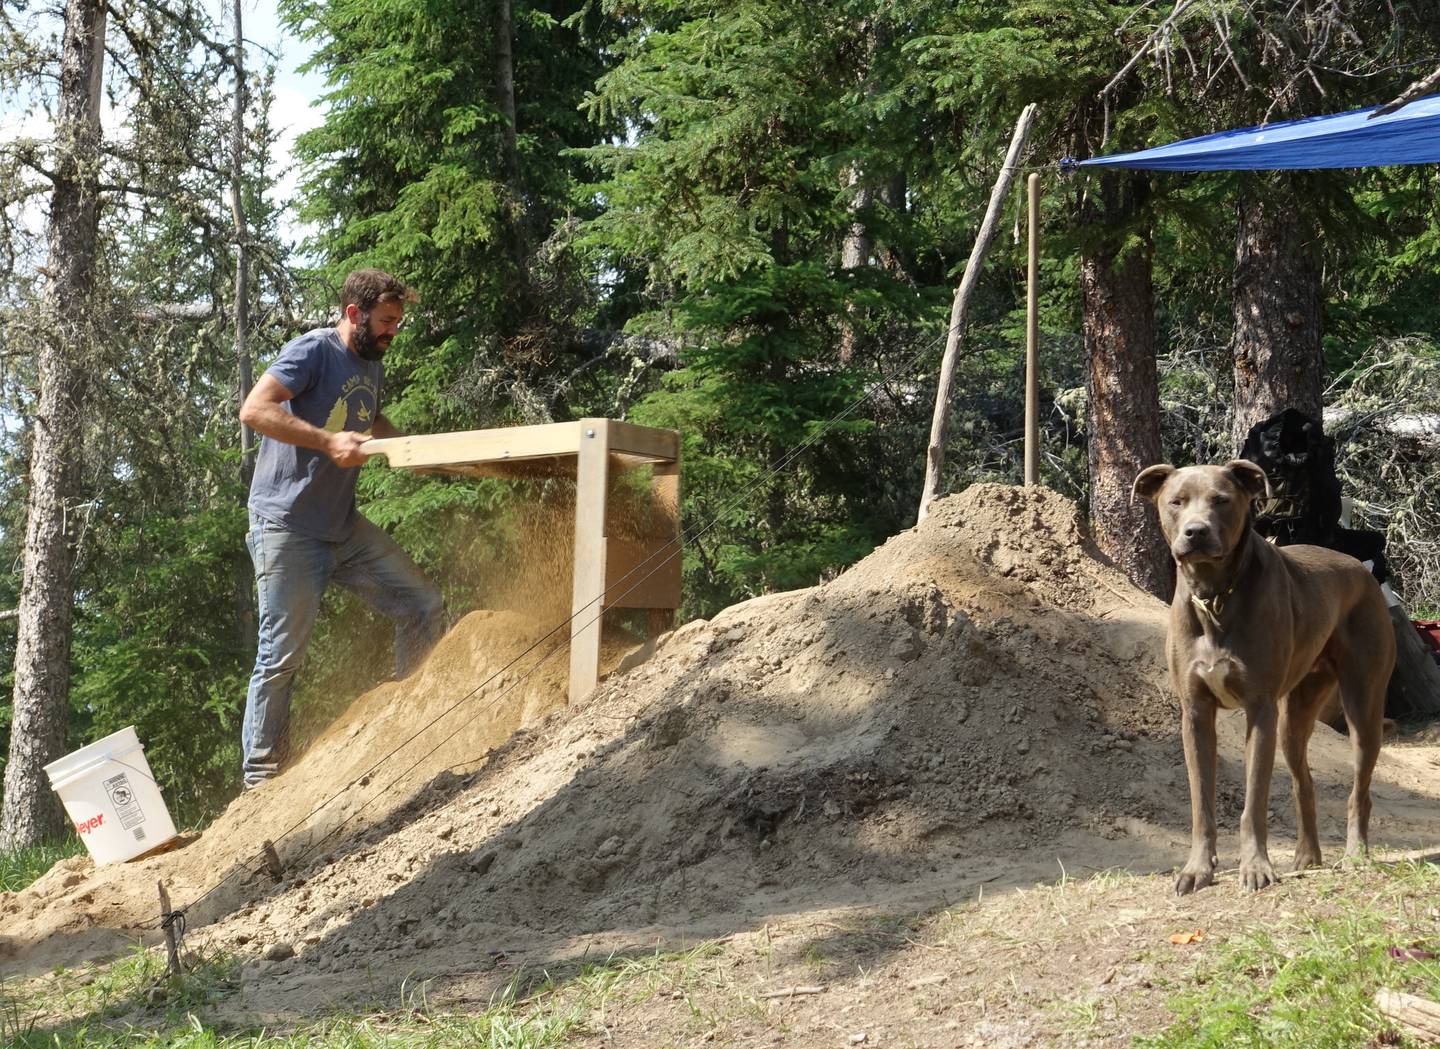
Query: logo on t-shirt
(355, 407)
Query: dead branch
(1421, 87)
(1151, 42)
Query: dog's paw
(1193, 879)
(1306, 858)
(1257, 873)
(1355, 856)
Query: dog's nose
(1197, 530)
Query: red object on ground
(1429, 633)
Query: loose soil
(977, 707)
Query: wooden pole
(271, 860)
(1032, 340)
(592, 478)
(172, 948)
(940, 421)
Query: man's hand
(264, 412)
(343, 448)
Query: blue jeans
(291, 574)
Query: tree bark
(244, 370)
(42, 648)
(1122, 393)
(505, 86)
(245, 376)
(895, 259)
(1279, 309)
(855, 253)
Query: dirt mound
(972, 700)
(389, 744)
(984, 677)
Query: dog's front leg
(1260, 724)
(1197, 729)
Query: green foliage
(411, 172)
(754, 126)
(22, 866)
(163, 646)
(1309, 982)
(743, 220)
(758, 394)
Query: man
(316, 406)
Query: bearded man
(316, 406)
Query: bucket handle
(139, 772)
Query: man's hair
(368, 287)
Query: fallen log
(1420, 1017)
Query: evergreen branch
(26, 152)
(221, 49)
(144, 158)
(1222, 26)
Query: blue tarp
(1410, 135)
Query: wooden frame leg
(665, 492)
(592, 477)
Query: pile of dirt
(975, 694)
(493, 673)
(983, 675)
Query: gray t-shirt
(299, 488)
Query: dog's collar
(1211, 608)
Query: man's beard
(366, 343)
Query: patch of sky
(26, 113)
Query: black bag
(1304, 506)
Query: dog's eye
(1220, 500)
(1177, 501)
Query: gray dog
(1273, 631)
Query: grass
(129, 1004)
(1307, 977)
(22, 866)
(1311, 982)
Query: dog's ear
(1150, 480)
(1249, 477)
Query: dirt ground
(977, 708)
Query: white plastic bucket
(112, 798)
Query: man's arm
(262, 412)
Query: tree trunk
(245, 624)
(525, 227)
(859, 244)
(505, 87)
(855, 253)
(42, 647)
(243, 367)
(1278, 308)
(895, 259)
(1123, 399)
